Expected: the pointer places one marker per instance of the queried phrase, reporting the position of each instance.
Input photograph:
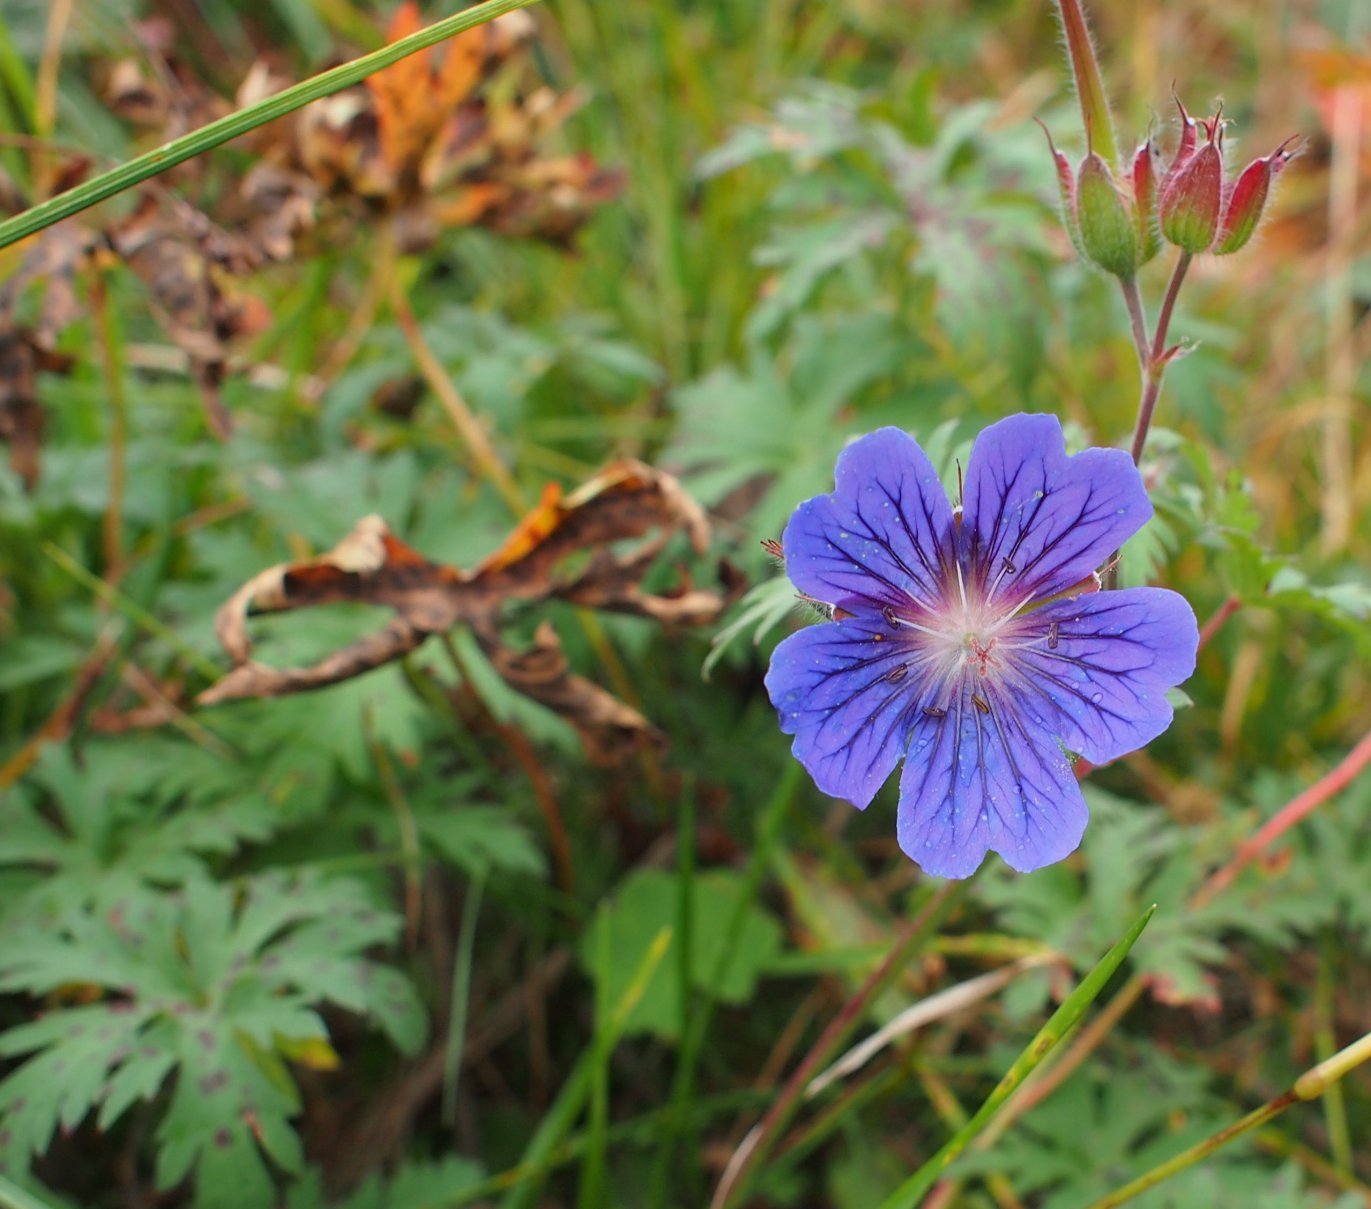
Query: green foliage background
(315, 952)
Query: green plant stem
(1325, 1045)
(911, 1193)
(110, 595)
(460, 1005)
(692, 1042)
(556, 1123)
(755, 1148)
(141, 168)
(1049, 1077)
(1137, 320)
(1313, 1083)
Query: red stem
(1215, 623)
(1286, 817)
(1156, 367)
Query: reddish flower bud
(1145, 199)
(1067, 186)
(1192, 198)
(1248, 199)
(1190, 130)
(1109, 233)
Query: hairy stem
(1137, 320)
(1155, 366)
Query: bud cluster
(1119, 225)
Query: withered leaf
(627, 502)
(442, 138)
(50, 262)
(190, 269)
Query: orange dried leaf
(627, 501)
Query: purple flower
(972, 641)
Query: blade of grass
(593, 1170)
(692, 1044)
(139, 169)
(539, 1154)
(461, 997)
(1315, 1082)
(134, 612)
(733, 1184)
(913, 1190)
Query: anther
(1053, 632)
(897, 673)
(935, 711)
(980, 703)
(888, 612)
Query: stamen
(1007, 567)
(980, 703)
(961, 584)
(935, 711)
(897, 673)
(1053, 632)
(914, 625)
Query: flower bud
(1109, 234)
(1067, 186)
(1191, 200)
(1184, 149)
(1145, 200)
(1248, 199)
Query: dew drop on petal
(1097, 697)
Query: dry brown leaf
(189, 267)
(50, 262)
(627, 502)
(428, 144)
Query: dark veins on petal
(1106, 678)
(984, 778)
(879, 537)
(1037, 522)
(847, 691)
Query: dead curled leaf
(49, 263)
(628, 501)
(190, 269)
(444, 138)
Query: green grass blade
(538, 1156)
(139, 169)
(911, 1193)
(1315, 1082)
